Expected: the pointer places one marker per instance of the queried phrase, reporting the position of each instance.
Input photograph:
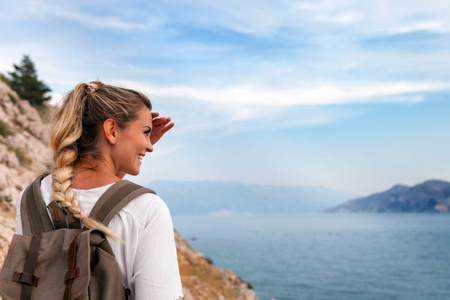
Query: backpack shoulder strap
(34, 214)
(62, 217)
(115, 198)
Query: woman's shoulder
(143, 208)
(147, 206)
(46, 190)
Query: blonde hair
(75, 135)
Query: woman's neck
(89, 176)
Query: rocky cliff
(203, 281)
(429, 196)
(23, 150)
(24, 154)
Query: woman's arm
(156, 274)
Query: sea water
(330, 256)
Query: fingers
(161, 129)
(160, 126)
(167, 128)
(160, 121)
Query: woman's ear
(110, 130)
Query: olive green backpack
(56, 259)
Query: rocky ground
(203, 281)
(24, 154)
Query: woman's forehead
(145, 116)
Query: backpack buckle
(26, 278)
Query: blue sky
(351, 95)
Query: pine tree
(25, 82)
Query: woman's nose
(149, 147)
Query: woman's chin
(137, 171)
(133, 172)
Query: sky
(349, 95)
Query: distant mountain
(430, 196)
(230, 198)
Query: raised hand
(160, 127)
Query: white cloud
(98, 22)
(245, 108)
(332, 12)
(55, 98)
(434, 26)
(74, 12)
(254, 98)
(92, 20)
(6, 64)
(259, 18)
(346, 17)
(268, 18)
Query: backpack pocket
(48, 278)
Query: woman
(99, 134)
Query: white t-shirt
(147, 259)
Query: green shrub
(24, 158)
(5, 130)
(12, 98)
(22, 155)
(5, 79)
(200, 273)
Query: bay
(330, 256)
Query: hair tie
(82, 217)
(91, 88)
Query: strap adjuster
(26, 278)
(71, 275)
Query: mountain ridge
(210, 197)
(432, 195)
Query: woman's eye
(147, 132)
